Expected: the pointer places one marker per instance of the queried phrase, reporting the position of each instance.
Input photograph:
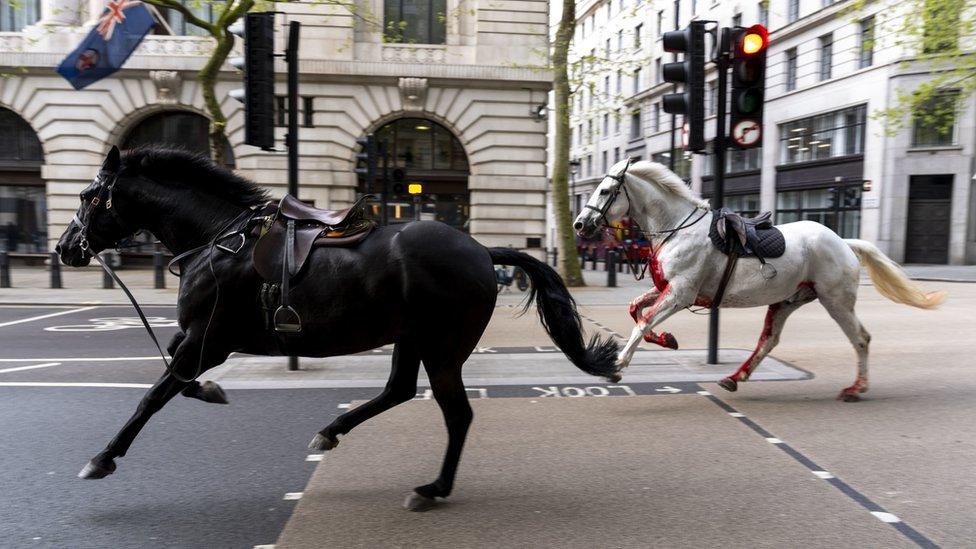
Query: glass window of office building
(839, 208)
(838, 133)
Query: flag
(118, 32)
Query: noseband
(620, 178)
(102, 197)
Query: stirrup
(287, 319)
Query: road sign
(746, 133)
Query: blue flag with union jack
(119, 31)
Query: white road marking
(60, 384)
(773, 440)
(264, 546)
(34, 367)
(291, 496)
(42, 317)
(737, 414)
(83, 359)
(704, 393)
(314, 457)
(885, 517)
(343, 406)
(823, 474)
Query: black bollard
(555, 257)
(594, 258)
(107, 281)
(620, 262)
(611, 270)
(55, 271)
(4, 269)
(583, 260)
(160, 274)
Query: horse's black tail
(557, 311)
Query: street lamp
(574, 166)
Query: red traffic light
(753, 40)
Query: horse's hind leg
(842, 311)
(401, 387)
(208, 391)
(776, 317)
(448, 389)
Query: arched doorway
(23, 197)
(421, 151)
(184, 129)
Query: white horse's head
(608, 203)
(646, 191)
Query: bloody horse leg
(776, 317)
(841, 309)
(636, 309)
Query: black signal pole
(718, 148)
(674, 119)
(291, 141)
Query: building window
(764, 13)
(308, 112)
(658, 77)
(637, 36)
(826, 55)
(606, 49)
(606, 124)
(620, 40)
(745, 204)
(14, 16)
(737, 161)
(656, 121)
(682, 162)
(23, 200)
(635, 124)
(416, 21)
(181, 26)
(712, 98)
(838, 133)
(591, 89)
(637, 82)
(694, 7)
(838, 208)
(941, 25)
(616, 122)
(791, 69)
(281, 111)
(866, 46)
(660, 23)
(579, 135)
(606, 85)
(589, 131)
(603, 162)
(793, 10)
(934, 121)
(737, 20)
(616, 155)
(620, 81)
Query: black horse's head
(96, 225)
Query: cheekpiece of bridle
(103, 196)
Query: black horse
(423, 286)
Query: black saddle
(746, 236)
(287, 239)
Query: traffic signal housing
(367, 161)
(748, 85)
(257, 30)
(690, 71)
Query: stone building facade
(825, 157)
(462, 106)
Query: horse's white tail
(889, 278)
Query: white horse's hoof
(93, 471)
(322, 443)
(418, 503)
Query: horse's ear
(113, 161)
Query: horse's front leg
(184, 362)
(672, 299)
(636, 310)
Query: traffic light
(257, 64)
(748, 85)
(691, 72)
(366, 161)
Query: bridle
(615, 191)
(102, 197)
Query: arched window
(188, 130)
(415, 21)
(23, 201)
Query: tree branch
(187, 13)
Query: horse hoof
(729, 384)
(418, 503)
(94, 471)
(847, 396)
(322, 443)
(615, 378)
(213, 393)
(669, 341)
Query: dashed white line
(314, 457)
(42, 317)
(885, 517)
(264, 546)
(704, 393)
(34, 367)
(343, 406)
(292, 496)
(825, 475)
(737, 414)
(65, 384)
(773, 440)
(83, 359)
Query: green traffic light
(750, 101)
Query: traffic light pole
(674, 119)
(291, 141)
(719, 145)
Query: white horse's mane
(665, 178)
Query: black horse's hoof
(94, 470)
(729, 384)
(614, 378)
(418, 503)
(322, 443)
(213, 393)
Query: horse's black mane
(193, 168)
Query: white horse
(687, 268)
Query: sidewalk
(31, 286)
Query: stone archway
(176, 128)
(421, 151)
(23, 197)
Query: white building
(825, 157)
(454, 92)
